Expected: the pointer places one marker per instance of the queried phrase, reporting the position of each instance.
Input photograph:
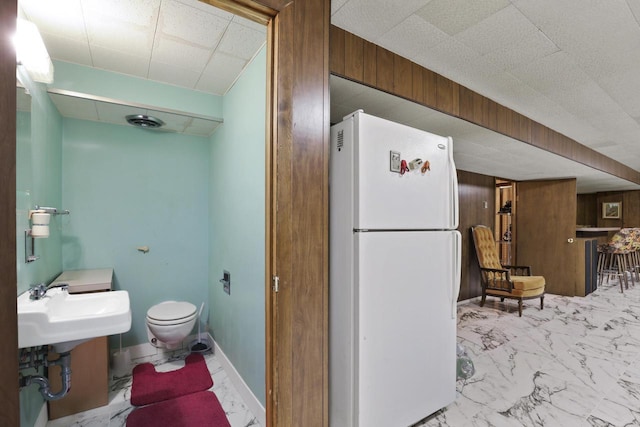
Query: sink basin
(64, 320)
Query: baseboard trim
(243, 389)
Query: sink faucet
(40, 290)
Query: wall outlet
(226, 282)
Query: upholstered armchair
(508, 281)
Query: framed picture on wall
(611, 210)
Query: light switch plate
(226, 282)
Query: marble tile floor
(575, 363)
(119, 407)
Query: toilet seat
(171, 313)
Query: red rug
(150, 386)
(200, 409)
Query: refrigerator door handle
(454, 188)
(457, 254)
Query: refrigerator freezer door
(417, 199)
(407, 283)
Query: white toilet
(170, 322)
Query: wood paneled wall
(476, 192)
(10, 412)
(359, 60)
(587, 209)
(630, 208)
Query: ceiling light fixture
(32, 53)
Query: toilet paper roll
(38, 218)
(40, 231)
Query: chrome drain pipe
(64, 361)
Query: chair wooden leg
(520, 307)
(501, 299)
(484, 297)
(622, 276)
(601, 266)
(542, 302)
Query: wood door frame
(10, 412)
(296, 215)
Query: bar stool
(612, 262)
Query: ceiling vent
(144, 121)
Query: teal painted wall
(237, 228)
(128, 187)
(197, 203)
(38, 178)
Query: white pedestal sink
(64, 321)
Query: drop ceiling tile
(454, 16)
(374, 102)
(242, 42)
(119, 62)
(115, 113)
(437, 124)
(176, 122)
(605, 142)
(411, 36)
(607, 25)
(76, 108)
(584, 101)
(139, 13)
(201, 127)
(623, 85)
(504, 29)
(634, 5)
(548, 74)
(188, 56)
(173, 74)
(63, 18)
(190, 26)
(407, 112)
(601, 62)
(220, 73)
(205, 7)
(370, 19)
(459, 63)
(336, 5)
(508, 90)
(342, 90)
(627, 129)
(549, 14)
(471, 148)
(119, 35)
(69, 50)
(529, 49)
(595, 36)
(253, 25)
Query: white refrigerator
(394, 273)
